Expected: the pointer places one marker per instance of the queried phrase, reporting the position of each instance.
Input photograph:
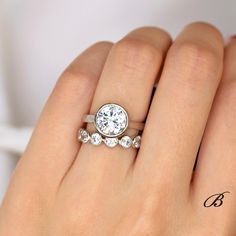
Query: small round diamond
(125, 142)
(137, 142)
(96, 139)
(83, 136)
(111, 120)
(111, 142)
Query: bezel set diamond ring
(111, 121)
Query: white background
(38, 38)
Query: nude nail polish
(230, 39)
(233, 37)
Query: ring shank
(132, 124)
(88, 118)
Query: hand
(63, 188)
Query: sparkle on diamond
(111, 142)
(96, 139)
(125, 142)
(83, 136)
(137, 142)
(111, 120)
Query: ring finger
(127, 79)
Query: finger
(127, 79)
(181, 105)
(215, 172)
(55, 134)
(53, 145)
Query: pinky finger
(215, 174)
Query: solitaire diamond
(111, 142)
(125, 142)
(111, 120)
(96, 139)
(83, 136)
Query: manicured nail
(231, 38)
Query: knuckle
(136, 53)
(102, 45)
(71, 84)
(73, 75)
(149, 210)
(136, 46)
(198, 54)
(145, 226)
(206, 26)
(157, 33)
(200, 62)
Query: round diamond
(111, 142)
(111, 120)
(96, 139)
(83, 136)
(137, 142)
(125, 142)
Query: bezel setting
(96, 139)
(111, 120)
(111, 142)
(137, 142)
(83, 136)
(126, 141)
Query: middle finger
(181, 105)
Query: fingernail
(232, 38)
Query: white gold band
(132, 124)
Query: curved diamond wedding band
(111, 120)
(97, 139)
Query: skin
(64, 188)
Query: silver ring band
(132, 124)
(111, 121)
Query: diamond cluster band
(96, 139)
(111, 121)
